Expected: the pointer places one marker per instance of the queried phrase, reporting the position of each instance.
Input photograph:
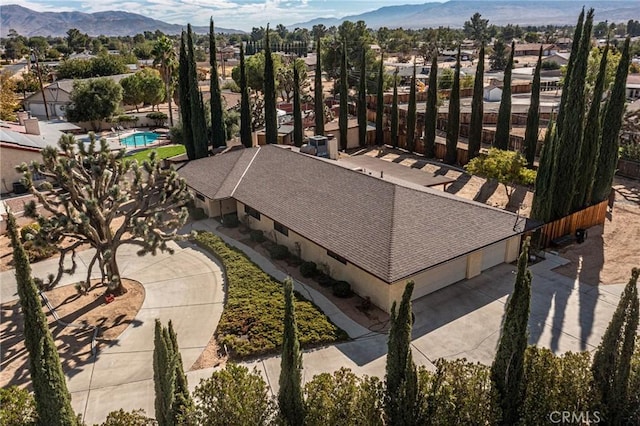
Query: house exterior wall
(9, 159)
(352, 137)
(214, 208)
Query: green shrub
(39, 250)
(230, 220)
(159, 118)
(278, 252)
(308, 269)
(550, 65)
(231, 85)
(342, 289)
(324, 280)
(17, 407)
(29, 232)
(197, 213)
(257, 236)
(128, 418)
(251, 323)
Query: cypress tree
(411, 113)
(319, 104)
(503, 127)
(570, 137)
(218, 132)
(198, 122)
(612, 359)
(431, 112)
(344, 101)
(577, 36)
(612, 122)
(507, 368)
(453, 122)
(245, 108)
(591, 140)
(297, 113)
(541, 206)
(185, 101)
(401, 393)
(533, 116)
(163, 375)
(270, 114)
(394, 111)
(477, 108)
(182, 402)
(290, 399)
(53, 401)
(380, 104)
(362, 99)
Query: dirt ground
(74, 344)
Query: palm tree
(165, 58)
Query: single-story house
(633, 86)
(371, 232)
(58, 97)
(353, 136)
(533, 49)
(285, 135)
(492, 93)
(560, 58)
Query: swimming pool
(139, 139)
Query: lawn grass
(163, 152)
(251, 323)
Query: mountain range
(30, 23)
(499, 12)
(453, 13)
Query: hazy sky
(238, 14)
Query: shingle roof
(389, 230)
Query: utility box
(332, 149)
(316, 145)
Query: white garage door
(439, 277)
(493, 255)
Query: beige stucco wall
(474, 264)
(214, 208)
(493, 255)
(9, 159)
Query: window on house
(199, 196)
(281, 228)
(252, 212)
(336, 257)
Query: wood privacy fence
(629, 168)
(582, 219)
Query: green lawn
(251, 323)
(163, 152)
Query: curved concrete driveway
(185, 287)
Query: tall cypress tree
(245, 107)
(394, 111)
(53, 401)
(508, 366)
(477, 108)
(533, 116)
(575, 45)
(411, 113)
(185, 101)
(591, 140)
(198, 122)
(297, 112)
(503, 126)
(612, 359)
(362, 99)
(317, 90)
(218, 132)
(612, 122)
(453, 122)
(344, 101)
(380, 104)
(182, 402)
(431, 112)
(570, 137)
(163, 375)
(270, 113)
(401, 393)
(290, 399)
(541, 206)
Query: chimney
(22, 115)
(31, 126)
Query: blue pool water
(139, 139)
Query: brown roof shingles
(389, 230)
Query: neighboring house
(559, 58)
(492, 93)
(533, 49)
(353, 138)
(22, 142)
(58, 99)
(285, 135)
(633, 86)
(371, 232)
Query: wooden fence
(629, 168)
(582, 219)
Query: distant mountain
(29, 23)
(499, 12)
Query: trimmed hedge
(308, 269)
(230, 220)
(257, 236)
(278, 252)
(252, 320)
(342, 289)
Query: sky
(236, 14)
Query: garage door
(439, 277)
(493, 255)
